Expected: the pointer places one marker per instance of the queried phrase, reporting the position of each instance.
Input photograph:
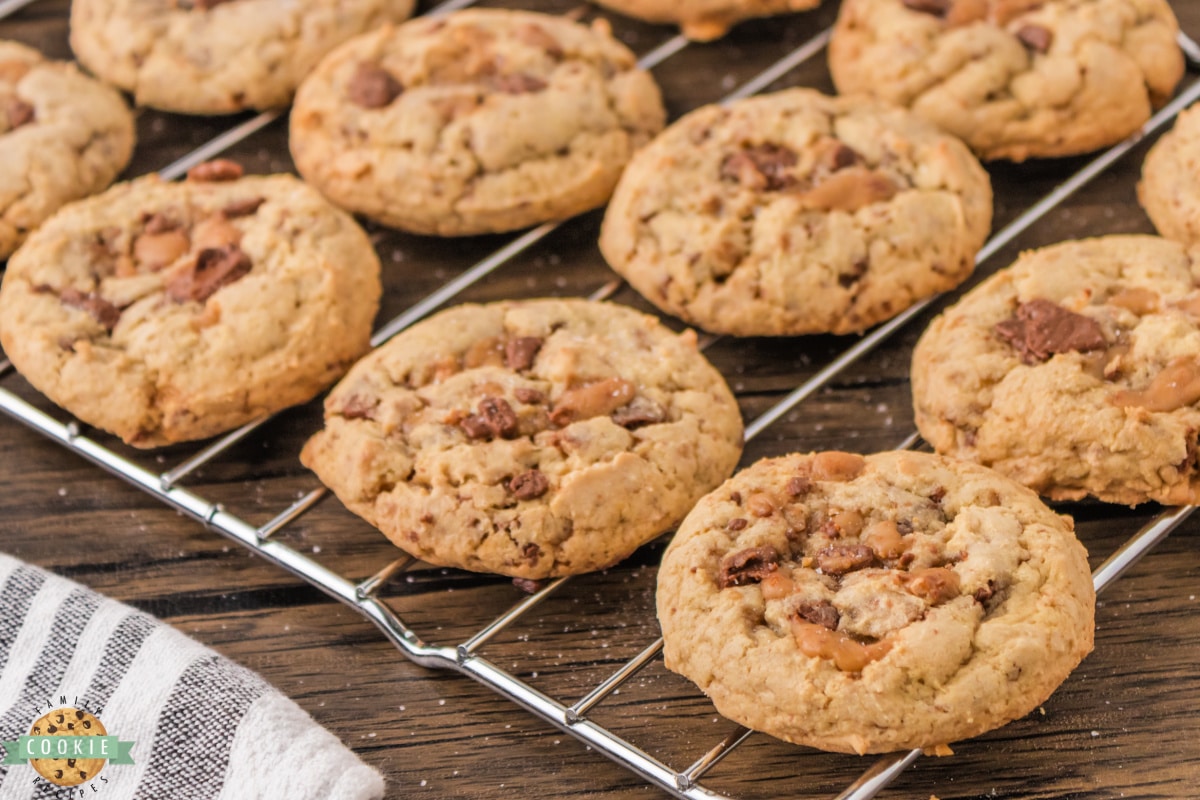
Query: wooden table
(1126, 724)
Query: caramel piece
(777, 586)
(218, 170)
(599, 398)
(488, 352)
(1136, 299)
(849, 190)
(839, 559)
(833, 465)
(1035, 37)
(214, 232)
(885, 539)
(848, 655)
(521, 352)
(760, 504)
(761, 167)
(848, 523)
(519, 83)
(1175, 387)
(242, 208)
(13, 70)
(1189, 305)
(372, 86)
(529, 485)
(935, 585)
(154, 251)
(1041, 328)
(748, 566)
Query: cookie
(1170, 185)
(477, 122)
(704, 20)
(63, 136)
(217, 56)
(165, 312)
(1075, 371)
(1015, 79)
(797, 213)
(863, 605)
(68, 722)
(532, 439)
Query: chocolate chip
(521, 352)
(839, 559)
(735, 497)
(938, 7)
(528, 586)
(748, 566)
(101, 310)
(761, 167)
(529, 485)
(842, 155)
(476, 427)
(985, 593)
(820, 613)
(520, 83)
(53, 728)
(1041, 328)
(799, 486)
(19, 113)
(736, 524)
(1035, 37)
(531, 553)
(372, 86)
(212, 270)
(639, 411)
(82, 775)
(218, 170)
(529, 396)
(242, 208)
(78, 713)
(87, 724)
(71, 763)
(499, 416)
(937, 495)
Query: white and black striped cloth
(204, 727)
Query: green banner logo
(27, 748)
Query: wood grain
(1127, 724)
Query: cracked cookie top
(704, 20)
(217, 56)
(479, 121)
(63, 136)
(1170, 185)
(1015, 79)
(1075, 371)
(164, 312)
(531, 439)
(864, 605)
(797, 213)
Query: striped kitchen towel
(201, 726)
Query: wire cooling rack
(466, 657)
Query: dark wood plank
(1125, 725)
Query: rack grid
(363, 594)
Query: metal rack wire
(466, 657)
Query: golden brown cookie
(704, 20)
(533, 439)
(862, 605)
(67, 722)
(1170, 185)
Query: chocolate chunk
(531, 553)
(799, 486)
(529, 396)
(218, 170)
(820, 613)
(476, 427)
(242, 208)
(101, 310)
(985, 593)
(520, 83)
(937, 496)
(529, 485)
(499, 416)
(1041, 328)
(359, 407)
(213, 269)
(521, 352)
(748, 566)
(19, 113)
(158, 222)
(938, 7)
(761, 167)
(372, 86)
(736, 524)
(640, 411)
(528, 586)
(839, 559)
(1035, 37)
(842, 155)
